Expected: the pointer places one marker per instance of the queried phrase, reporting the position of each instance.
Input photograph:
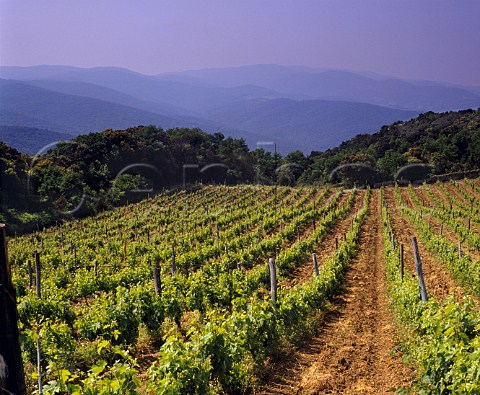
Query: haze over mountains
(295, 107)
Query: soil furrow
(353, 352)
(327, 247)
(450, 234)
(438, 280)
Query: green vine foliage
(443, 337)
(213, 323)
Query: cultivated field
(174, 295)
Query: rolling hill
(302, 82)
(23, 104)
(30, 140)
(296, 107)
(315, 124)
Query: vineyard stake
(315, 264)
(273, 279)
(441, 229)
(10, 352)
(401, 262)
(39, 366)
(418, 264)
(174, 267)
(156, 281)
(459, 250)
(336, 243)
(95, 268)
(38, 270)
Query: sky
(437, 40)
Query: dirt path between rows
(447, 231)
(327, 246)
(438, 280)
(352, 353)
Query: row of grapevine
(462, 266)
(97, 300)
(223, 348)
(441, 337)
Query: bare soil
(327, 247)
(438, 280)
(354, 351)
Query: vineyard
(257, 289)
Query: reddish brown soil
(307, 229)
(352, 354)
(437, 192)
(438, 280)
(407, 200)
(327, 246)
(457, 195)
(475, 226)
(447, 231)
(425, 197)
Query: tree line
(98, 171)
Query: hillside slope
(26, 105)
(313, 124)
(29, 140)
(446, 142)
(342, 85)
(293, 107)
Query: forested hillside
(447, 142)
(100, 170)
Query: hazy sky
(415, 39)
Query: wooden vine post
(11, 366)
(315, 264)
(38, 272)
(174, 267)
(418, 265)
(401, 262)
(157, 283)
(273, 279)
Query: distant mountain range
(295, 107)
(30, 140)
